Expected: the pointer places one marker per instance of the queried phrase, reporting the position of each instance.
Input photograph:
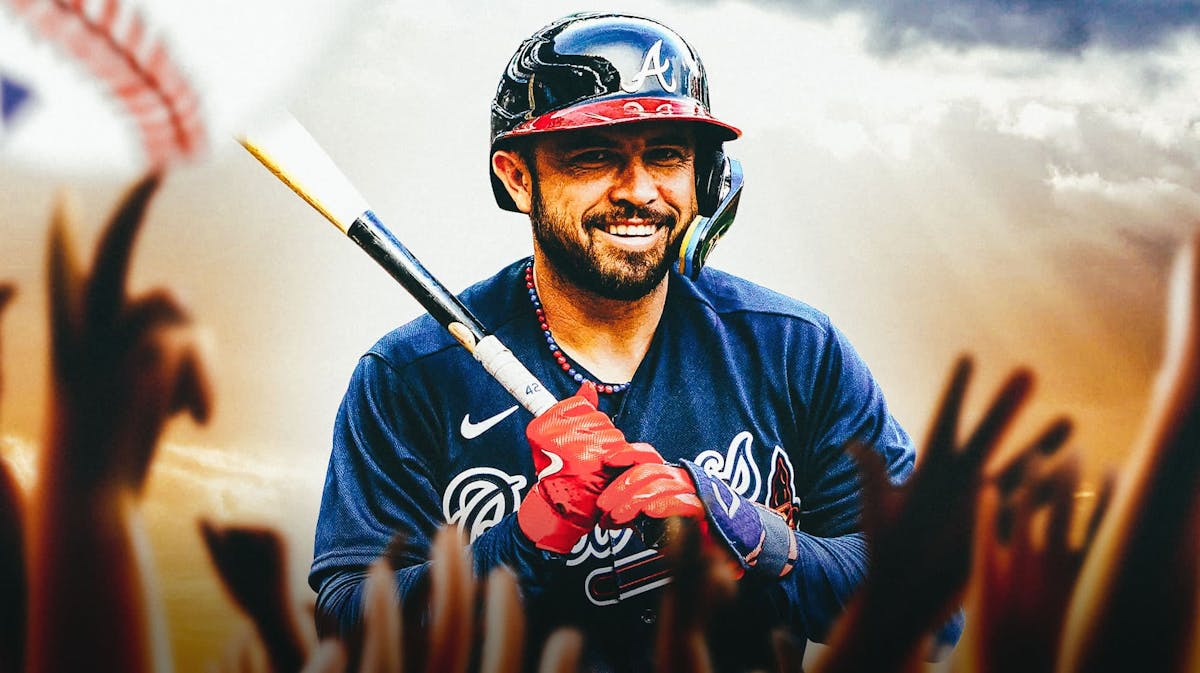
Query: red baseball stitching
(139, 73)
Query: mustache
(658, 218)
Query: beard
(610, 273)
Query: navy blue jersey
(757, 388)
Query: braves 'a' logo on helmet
(652, 65)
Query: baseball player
(697, 394)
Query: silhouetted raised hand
(562, 651)
(683, 615)
(12, 553)
(920, 535)
(252, 567)
(122, 367)
(7, 292)
(503, 624)
(329, 657)
(1135, 607)
(452, 603)
(381, 641)
(1022, 582)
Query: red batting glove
(655, 490)
(577, 451)
(659, 491)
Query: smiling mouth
(630, 230)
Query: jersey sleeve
(381, 496)
(844, 403)
(847, 404)
(808, 574)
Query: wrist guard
(758, 537)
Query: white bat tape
(516, 379)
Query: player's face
(609, 205)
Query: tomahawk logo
(652, 65)
(480, 497)
(736, 467)
(782, 496)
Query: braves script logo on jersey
(600, 543)
(480, 497)
(652, 65)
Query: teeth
(630, 229)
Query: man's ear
(515, 174)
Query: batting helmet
(598, 69)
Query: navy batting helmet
(598, 69)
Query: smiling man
(698, 395)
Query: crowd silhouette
(1044, 590)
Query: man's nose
(634, 185)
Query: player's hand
(745, 535)
(647, 494)
(576, 451)
(655, 491)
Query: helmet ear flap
(711, 168)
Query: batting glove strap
(759, 538)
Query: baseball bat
(293, 156)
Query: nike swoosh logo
(556, 464)
(471, 430)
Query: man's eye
(592, 158)
(666, 155)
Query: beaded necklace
(559, 356)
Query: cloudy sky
(939, 177)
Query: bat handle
(510, 373)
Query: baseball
(112, 87)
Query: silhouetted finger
(873, 472)
(943, 434)
(562, 652)
(381, 622)
(1052, 438)
(65, 284)
(243, 561)
(452, 595)
(157, 308)
(789, 656)
(106, 290)
(250, 562)
(164, 375)
(13, 581)
(7, 292)
(1104, 494)
(194, 390)
(504, 624)
(999, 415)
(1060, 495)
(329, 657)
